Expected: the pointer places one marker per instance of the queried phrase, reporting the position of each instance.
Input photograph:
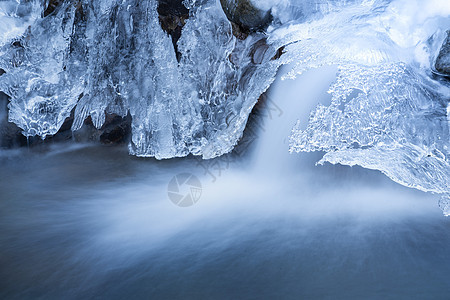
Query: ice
(113, 57)
(224, 82)
(444, 204)
(37, 78)
(16, 16)
(386, 112)
(391, 124)
(91, 58)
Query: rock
(172, 17)
(261, 52)
(51, 7)
(442, 64)
(172, 8)
(246, 15)
(115, 130)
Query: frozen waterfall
(389, 110)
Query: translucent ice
(89, 58)
(39, 78)
(103, 57)
(386, 112)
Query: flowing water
(90, 222)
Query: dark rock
(245, 15)
(172, 8)
(280, 52)
(239, 32)
(115, 130)
(51, 7)
(172, 17)
(442, 64)
(260, 52)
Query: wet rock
(278, 54)
(261, 52)
(442, 64)
(244, 14)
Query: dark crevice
(17, 44)
(51, 7)
(280, 52)
(172, 17)
(115, 130)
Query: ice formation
(388, 111)
(444, 204)
(114, 57)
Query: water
(90, 222)
(287, 102)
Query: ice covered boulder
(245, 14)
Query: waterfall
(278, 149)
(288, 101)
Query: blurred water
(288, 101)
(90, 222)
